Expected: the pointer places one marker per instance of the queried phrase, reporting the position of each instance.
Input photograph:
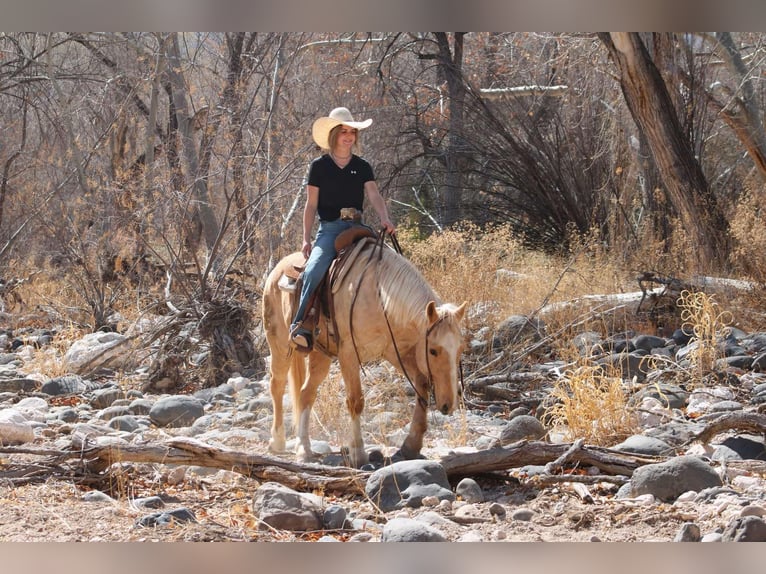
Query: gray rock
(409, 530)
(469, 490)
(167, 518)
(746, 448)
(629, 365)
(140, 407)
(586, 342)
(149, 502)
(743, 362)
(96, 496)
(641, 444)
(759, 363)
(126, 423)
(334, 517)
(406, 483)
(67, 385)
(523, 514)
(668, 480)
(498, 510)
(745, 529)
(522, 427)
(18, 385)
(103, 398)
(648, 342)
(671, 396)
(8, 358)
(110, 412)
(516, 329)
(283, 508)
(689, 532)
(68, 415)
(712, 537)
(176, 411)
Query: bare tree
(652, 109)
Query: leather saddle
(348, 245)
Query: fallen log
(299, 476)
(314, 476)
(751, 422)
(539, 453)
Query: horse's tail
(296, 374)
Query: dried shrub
(591, 404)
(702, 316)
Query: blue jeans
(319, 261)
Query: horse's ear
(460, 311)
(432, 313)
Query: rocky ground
(694, 469)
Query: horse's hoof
(376, 458)
(405, 454)
(353, 459)
(306, 456)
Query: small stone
(471, 536)
(469, 490)
(96, 496)
(523, 514)
(361, 537)
(689, 532)
(334, 517)
(712, 537)
(498, 535)
(753, 510)
(497, 510)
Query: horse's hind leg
(319, 367)
(280, 364)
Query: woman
(337, 180)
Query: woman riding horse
(337, 180)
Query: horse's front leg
(319, 367)
(349, 367)
(413, 442)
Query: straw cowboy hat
(322, 127)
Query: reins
(378, 246)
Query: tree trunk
(205, 211)
(652, 109)
(451, 62)
(744, 116)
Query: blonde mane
(404, 292)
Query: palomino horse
(384, 308)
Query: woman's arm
(376, 200)
(309, 214)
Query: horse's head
(443, 347)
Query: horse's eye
(433, 352)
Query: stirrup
(301, 338)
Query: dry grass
(499, 277)
(703, 317)
(592, 405)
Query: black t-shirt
(339, 188)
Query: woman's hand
(388, 226)
(306, 249)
